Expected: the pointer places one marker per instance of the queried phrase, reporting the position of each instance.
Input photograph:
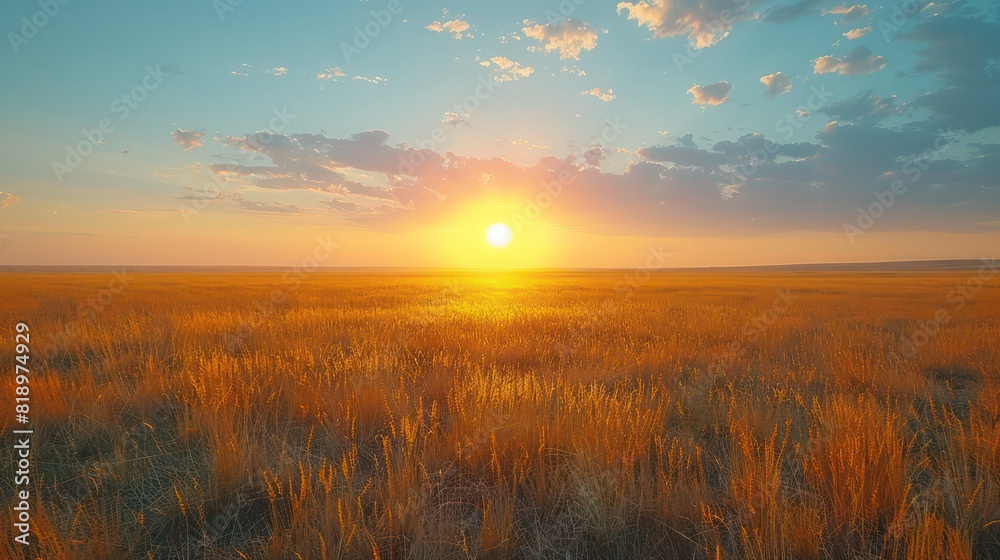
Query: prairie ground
(529, 415)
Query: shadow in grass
(962, 382)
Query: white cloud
(705, 22)
(508, 70)
(377, 80)
(777, 84)
(858, 33)
(456, 27)
(455, 119)
(859, 61)
(712, 94)
(604, 96)
(569, 37)
(849, 13)
(278, 71)
(330, 74)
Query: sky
(393, 133)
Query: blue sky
(657, 109)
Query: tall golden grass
(530, 415)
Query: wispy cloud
(456, 27)
(187, 139)
(713, 94)
(860, 60)
(330, 74)
(243, 70)
(704, 22)
(377, 80)
(858, 33)
(569, 37)
(507, 69)
(7, 200)
(804, 186)
(849, 13)
(777, 84)
(604, 96)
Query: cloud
(777, 84)
(755, 145)
(508, 70)
(789, 12)
(377, 80)
(858, 33)
(744, 186)
(595, 155)
(573, 69)
(705, 22)
(130, 211)
(317, 163)
(187, 139)
(682, 155)
(964, 108)
(269, 207)
(713, 94)
(455, 119)
(7, 200)
(864, 107)
(859, 60)
(962, 51)
(568, 37)
(849, 13)
(278, 71)
(687, 140)
(330, 74)
(456, 27)
(604, 96)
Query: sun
(498, 235)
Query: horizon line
(913, 264)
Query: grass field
(533, 415)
